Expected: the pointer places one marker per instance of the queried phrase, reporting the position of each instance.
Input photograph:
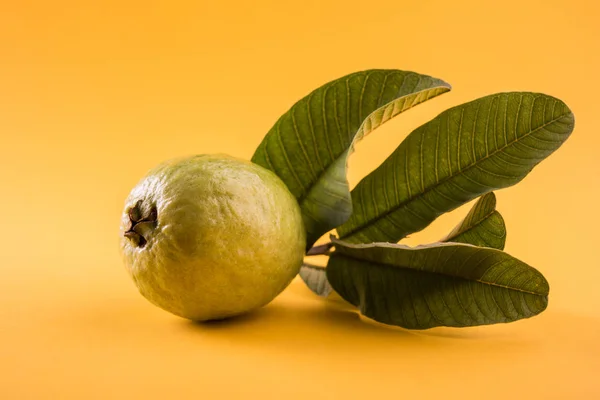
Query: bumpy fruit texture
(211, 236)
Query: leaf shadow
(307, 320)
(285, 326)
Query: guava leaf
(316, 279)
(483, 226)
(308, 147)
(441, 284)
(466, 151)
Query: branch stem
(321, 250)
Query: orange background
(91, 96)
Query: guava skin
(211, 236)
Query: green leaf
(483, 226)
(308, 146)
(316, 279)
(466, 151)
(442, 284)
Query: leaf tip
(442, 85)
(445, 85)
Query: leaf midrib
(342, 254)
(457, 173)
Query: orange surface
(91, 96)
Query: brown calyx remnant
(142, 224)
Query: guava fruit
(211, 236)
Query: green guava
(211, 236)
